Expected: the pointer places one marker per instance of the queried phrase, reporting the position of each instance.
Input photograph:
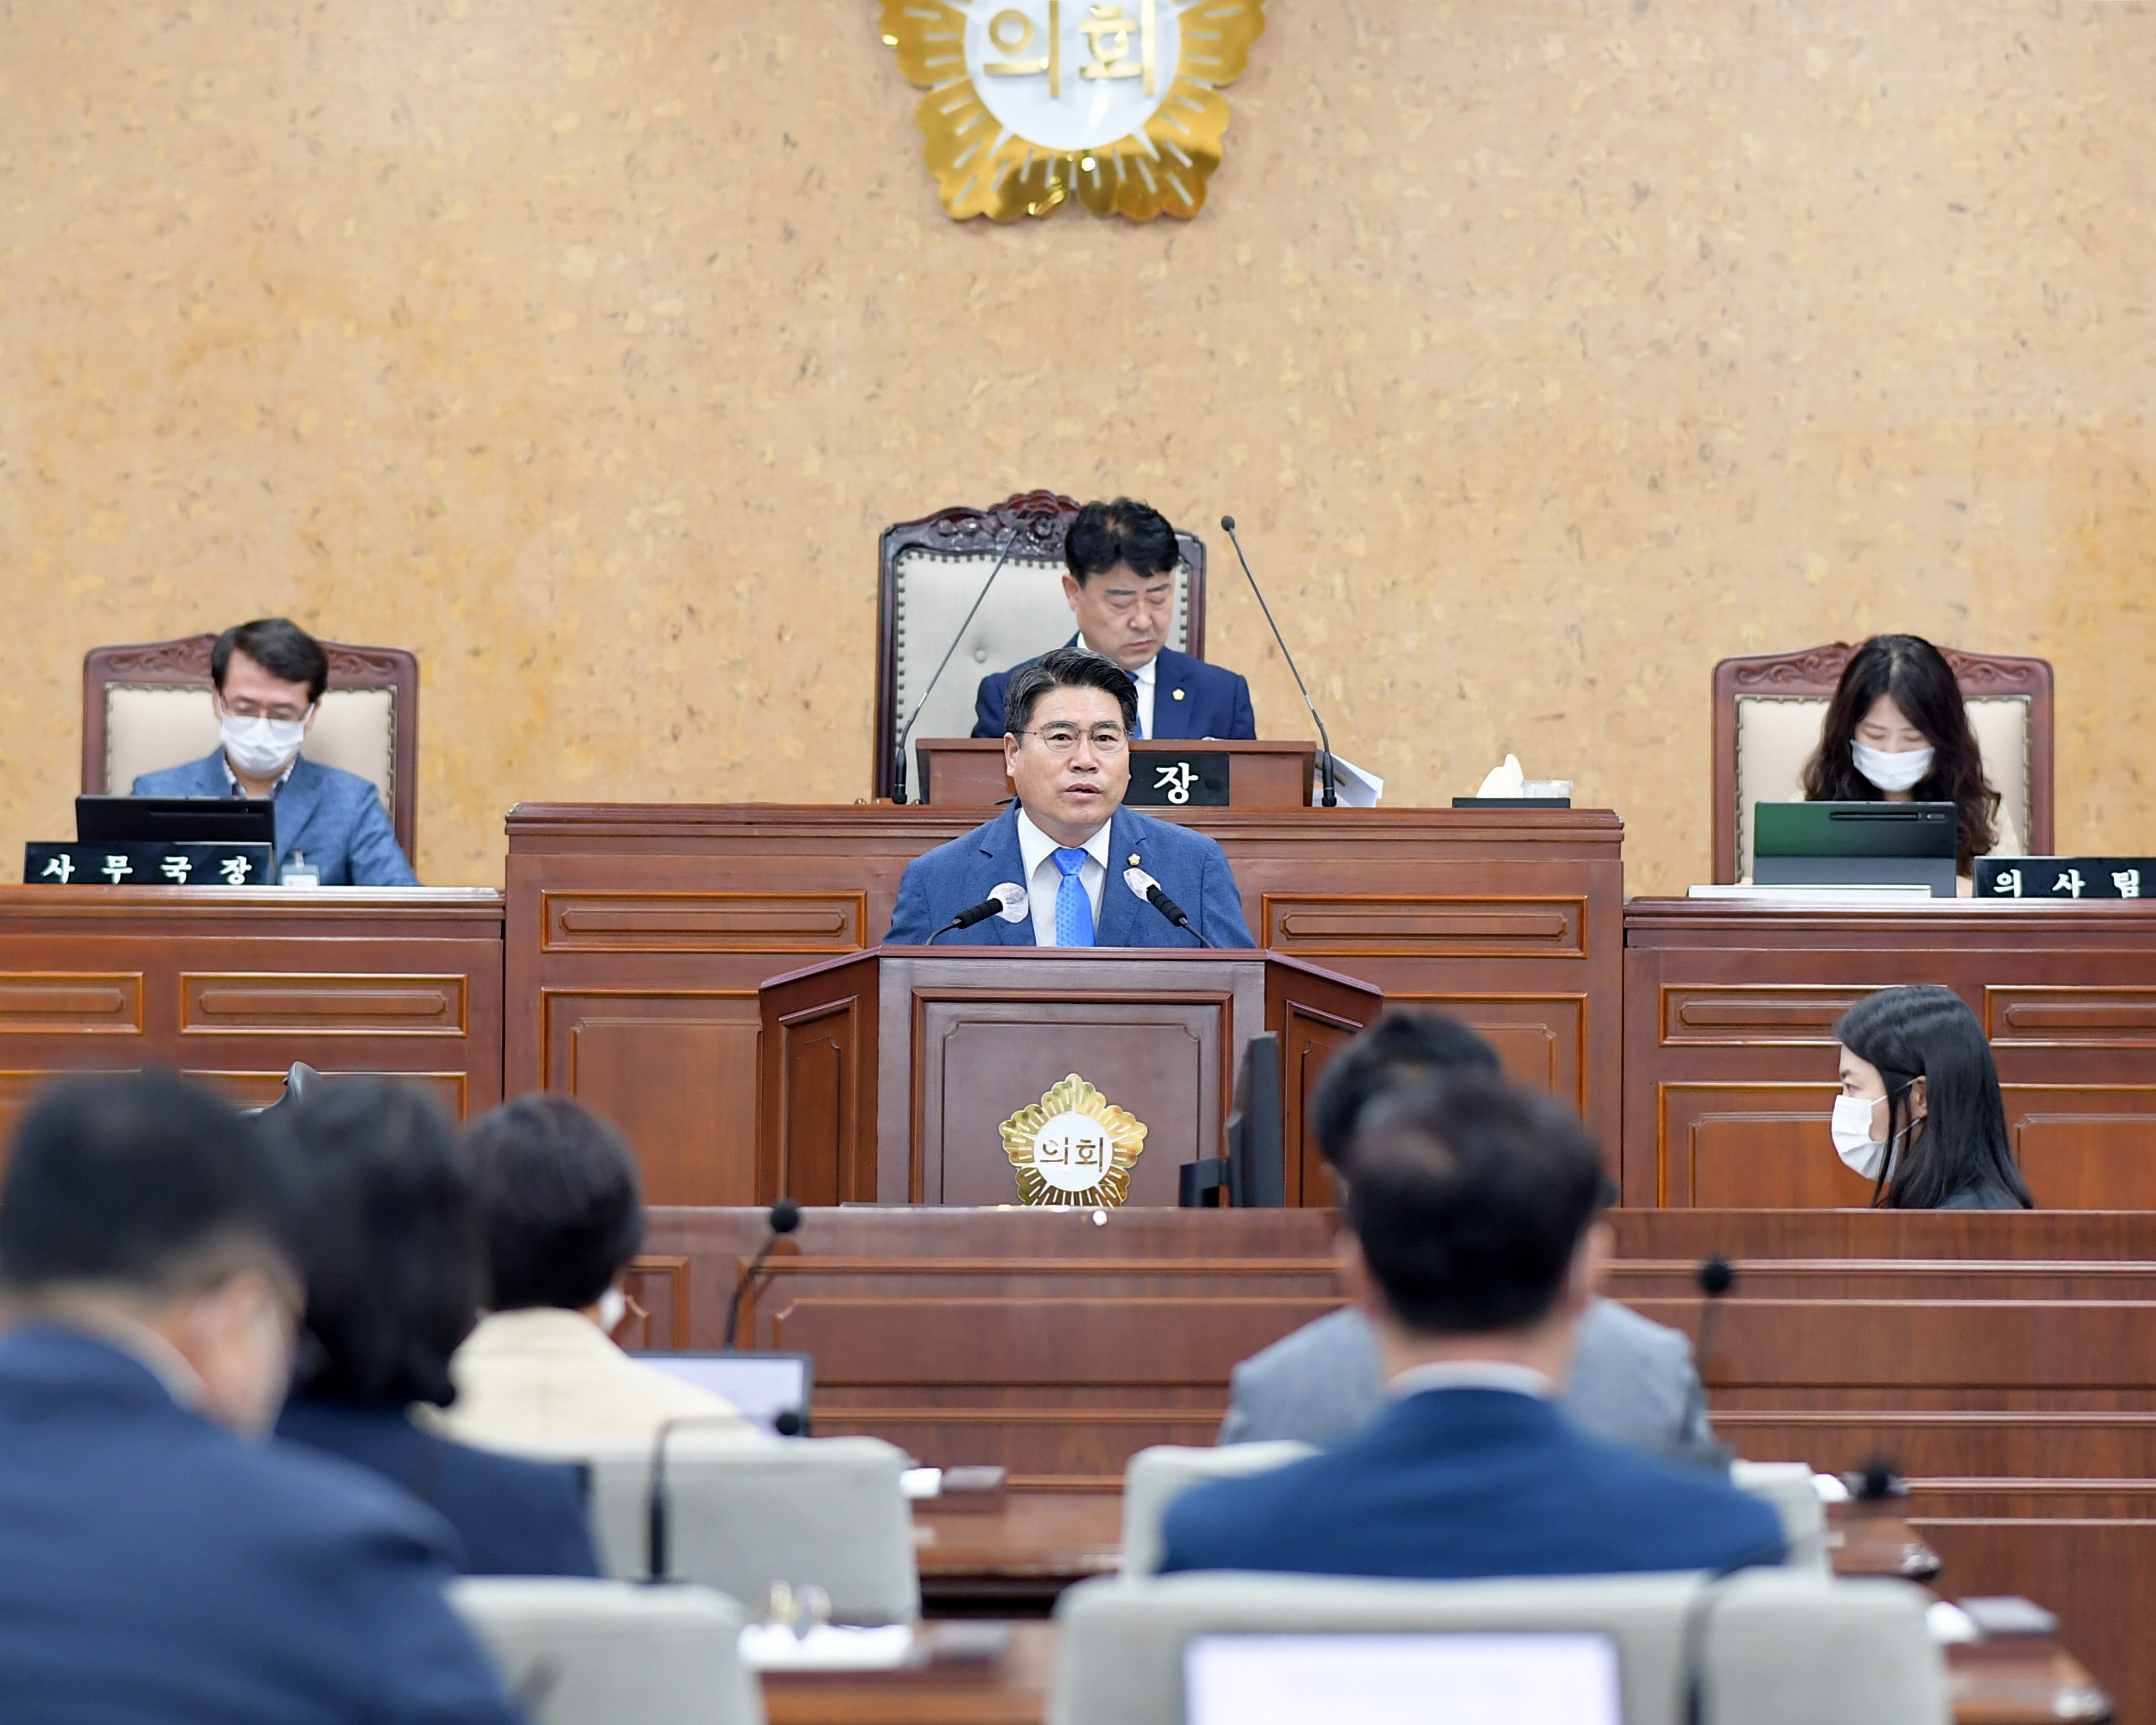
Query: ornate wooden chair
(932, 571)
(1768, 708)
(148, 707)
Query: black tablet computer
(1854, 845)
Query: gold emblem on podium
(1033, 103)
(1073, 1147)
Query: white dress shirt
(1472, 1375)
(1144, 676)
(1044, 880)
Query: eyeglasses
(1063, 739)
(283, 712)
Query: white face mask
(1852, 1136)
(1902, 772)
(262, 746)
(613, 1307)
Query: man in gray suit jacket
(1631, 1381)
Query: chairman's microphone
(785, 1218)
(1008, 901)
(898, 762)
(1331, 794)
(1151, 892)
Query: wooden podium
(886, 1075)
(968, 771)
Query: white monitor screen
(1404, 1678)
(761, 1386)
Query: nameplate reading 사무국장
(132, 863)
(1197, 780)
(2052, 879)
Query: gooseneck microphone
(1009, 901)
(785, 1218)
(898, 760)
(658, 1505)
(1148, 889)
(1331, 793)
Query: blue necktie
(1074, 910)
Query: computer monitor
(175, 820)
(1257, 1152)
(762, 1386)
(1855, 845)
(1557, 1677)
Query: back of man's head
(563, 1210)
(144, 1188)
(1469, 1201)
(1404, 1045)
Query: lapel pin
(1177, 695)
(1134, 858)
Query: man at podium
(1068, 865)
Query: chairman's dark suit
(1190, 699)
(156, 1570)
(1192, 869)
(510, 1517)
(1456, 1483)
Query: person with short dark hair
(563, 1213)
(1898, 731)
(158, 1560)
(1473, 1247)
(1631, 1380)
(269, 676)
(1920, 1114)
(1082, 858)
(389, 1237)
(1122, 559)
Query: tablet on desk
(1855, 845)
(175, 820)
(760, 1386)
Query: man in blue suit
(1070, 863)
(159, 1561)
(1473, 1247)
(1121, 558)
(269, 675)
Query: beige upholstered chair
(1768, 709)
(1776, 1647)
(148, 707)
(603, 1652)
(1788, 1486)
(1155, 1478)
(932, 571)
(743, 1514)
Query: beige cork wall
(1548, 352)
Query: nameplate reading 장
(2066, 877)
(1193, 781)
(133, 863)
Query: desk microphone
(1008, 901)
(659, 1508)
(898, 761)
(785, 1218)
(1149, 890)
(1716, 1276)
(1331, 794)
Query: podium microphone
(1150, 891)
(1331, 794)
(785, 1218)
(898, 761)
(1009, 901)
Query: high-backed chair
(1771, 1646)
(1154, 1478)
(601, 1652)
(933, 569)
(742, 1515)
(1768, 708)
(148, 707)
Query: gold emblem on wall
(1032, 103)
(1073, 1147)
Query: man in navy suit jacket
(1121, 558)
(269, 676)
(1473, 1247)
(1068, 842)
(158, 1561)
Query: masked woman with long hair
(1920, 1114)
(1897, 732)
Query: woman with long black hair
(1920, 1114)
(1897, 732)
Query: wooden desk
(234, 984)
(1729, 1058)
(638, 936)
(1017, 1560)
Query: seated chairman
(269, 676)
(1121, 558)
(1473, 1248)
(1067, 839)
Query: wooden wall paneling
(816, 1114)
(2086, 1146)
(77, 1003)
(658, 1293)
(1752, 1146)
(242, 1004)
